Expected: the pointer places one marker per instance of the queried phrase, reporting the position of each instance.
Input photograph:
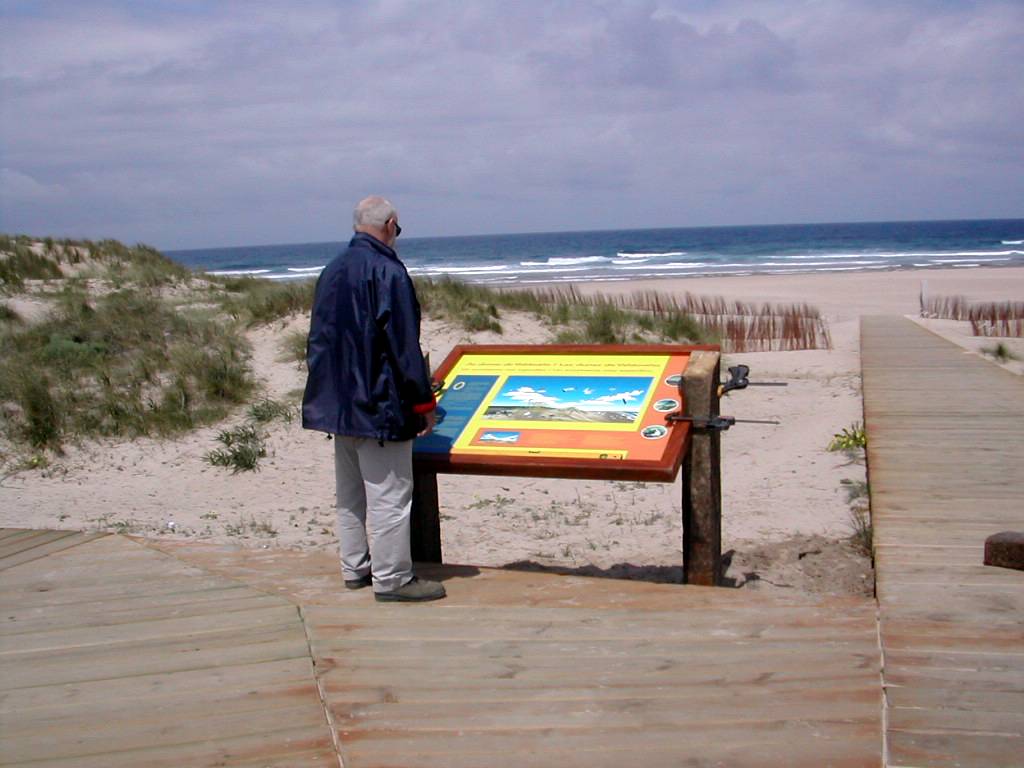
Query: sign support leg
(702, 479)
(426, 518)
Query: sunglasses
(398, 229)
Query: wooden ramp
(946, 470)
(116, 653)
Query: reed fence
(741, 326)
(1003, 318)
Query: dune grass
(124, 363)
(19, 262)
(256, 302)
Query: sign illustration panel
(558, 411)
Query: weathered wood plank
(207, 652)
(166, 683)
(84, 637)
(749, 743)
(310, 743)
(30, 539)
(910, 749)
(78, 616)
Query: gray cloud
(236, 123)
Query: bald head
(376, 216)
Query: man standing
(369, 387)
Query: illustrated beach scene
(826, 570)
(606, 399)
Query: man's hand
(429, 418)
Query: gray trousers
(374, 486)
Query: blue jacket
(367, 377)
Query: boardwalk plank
(37, 551)
(737, 742)
(234, 674)
(34, 621)
(209, 652)
(310, 743)
(241, 621)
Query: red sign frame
(430, 454)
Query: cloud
(530, 396)
(189, 124)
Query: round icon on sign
(458, 385)
(666, 405)
(654, 432)
(673, 380)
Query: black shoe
(363, 581)
(416, 591)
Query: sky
(187, 124)
(587, 393)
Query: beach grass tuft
(20, 262)
(472, 307)
(1000, 352)
(258, 302)
(293, 347)
(244, 446)
(268, 409)
(863, 534)
(1002, 318)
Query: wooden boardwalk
(115, 653)
(946, 470)
(118, 652)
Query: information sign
(582, 411)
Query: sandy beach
(787, 501)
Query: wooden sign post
(702, 478)
(598, 412)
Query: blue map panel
(457, 406)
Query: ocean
(630, 254)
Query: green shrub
(1000, 352)
(266, 410)
(850, 438)
(42, 414)
(243, 448)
